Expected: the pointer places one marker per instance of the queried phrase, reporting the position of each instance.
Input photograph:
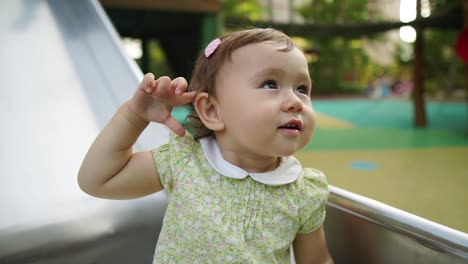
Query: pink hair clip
(211, 48)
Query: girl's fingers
(162, 87)
(187, 98)
(147, 83)
(179, 85)
(175, 126)
(173, 92)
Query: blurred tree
(336, 12)
(249, 9)
(343, 66)
(157, 62)
(443, 73)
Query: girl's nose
(292, 102)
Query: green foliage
(441, 3)
(249, 9)
(157, 60)
(342, 65)
(335, 11)
(443, 70)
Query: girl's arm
(110, 168)
(311, 248)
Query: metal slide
(63, 74)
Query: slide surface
(63, 74)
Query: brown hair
(206, 69)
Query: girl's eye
(303, 90)
(270, 85)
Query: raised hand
(154, 100)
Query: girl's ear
(207, 109)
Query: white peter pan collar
(287, 171)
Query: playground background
(370, 147)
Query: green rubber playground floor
(370, 147)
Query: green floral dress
(218, 218)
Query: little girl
(237, 193)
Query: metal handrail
(436, 236)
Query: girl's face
(264, 102)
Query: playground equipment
(64, 73)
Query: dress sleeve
(313, 193)
(170, 159)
